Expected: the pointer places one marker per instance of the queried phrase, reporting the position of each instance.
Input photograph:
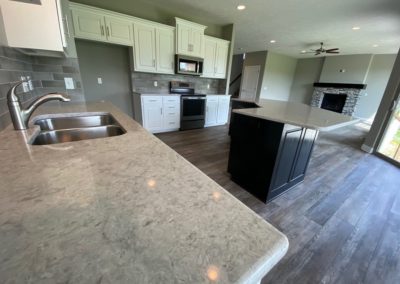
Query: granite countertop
(297, 114)
(124, 209)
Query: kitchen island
(123, 209)
(272, 142)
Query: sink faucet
(19, 116)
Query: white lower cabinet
(161, 113)
(217, 110)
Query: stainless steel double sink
(75, 128)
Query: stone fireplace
(337, 97)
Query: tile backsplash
(47, 74)
(144, 83)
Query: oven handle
(193, 98)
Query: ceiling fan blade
(332, 49)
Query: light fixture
(241, 7)
(272, 41)
(375, 45)
(355, 28)
(303, 51)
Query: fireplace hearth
(337, 97)
(334, 102)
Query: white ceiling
(297, 25)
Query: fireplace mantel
(340, 85)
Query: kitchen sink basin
(77, 134)
(75, 128)
(57, 123)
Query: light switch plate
(155, 83)
(69, 83)
(25, 85)
(99, 81)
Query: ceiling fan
(323, 50)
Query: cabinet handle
(102, 30)
(65, 19)
(108, 31)
(153, 100)
(172, 123)
(171, 113)
(154, 62)
(161, 111)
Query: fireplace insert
(334, 102)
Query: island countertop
(297, 114)
(124, 209)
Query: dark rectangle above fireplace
(334, 102)
(340, 85)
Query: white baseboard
(367, 149)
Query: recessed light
(375, 45)
(272, 41)
(303, 51)
(355, 28)
(241, 7)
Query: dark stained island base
(272, 142)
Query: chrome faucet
(19, 116)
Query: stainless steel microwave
(189, 65)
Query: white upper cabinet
(119, 30)
(32, 26)
(96, 24)
(154, 48)
(215, 57)
(210, 52)
(190, 38)
(145, 48)
(165, 47)
(88, 24)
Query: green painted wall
(278, 77)
(147, 10)
(307, 73)
(377, 79)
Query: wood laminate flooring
(343, 221)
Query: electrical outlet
(208, 86)
(30, 84)
(99, 81)
(69, 83)
(25, 85)
(155, 84)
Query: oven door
(193, 108)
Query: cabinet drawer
(171, 122)
(152, 100)
(171, 100)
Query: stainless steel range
(192, 105)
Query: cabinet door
(211, 111)
(67, 30)
(210, 50)
(165, 42)
(197, 43)
(183, 39)
(88, 24)
(221, 59)
(286, 158)
(152, 113)
(145, 48)
(223, 109)
(119, 30)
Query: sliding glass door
(390, 142)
